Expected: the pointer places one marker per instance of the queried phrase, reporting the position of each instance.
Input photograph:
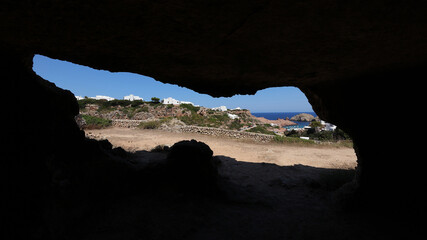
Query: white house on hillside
(232, 116)
(170, 100)
(132, 97)
(185, 102)
(222, 108)
(173, 101)
(79, 97)
(328, 126)
(100, 97)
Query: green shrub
(336, 135)
(154, 124)
(131, 111)
(221, 117)
(155, 100)
(144, 109)
(83, 102)
(216, 120)
(190, 107)
(193, 119)
(117, 102)
(105, 105)
(261, 129)
(136, 103)
(155, 105)
(150, 125)
(322, 136)
(315, 124)
(341, 135)
(235, 125)
(93, 122)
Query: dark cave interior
(349, 59)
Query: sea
(284, 115)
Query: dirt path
(280, 154)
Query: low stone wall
(125, 123)
(227, 133)
(201, 130)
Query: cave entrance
(293, 176)
(138, 113)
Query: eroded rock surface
(350, 59)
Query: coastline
(284, 115)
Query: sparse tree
(316, 124)
(155, 100)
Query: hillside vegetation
(100, 113)
(155, 113)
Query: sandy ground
(245, 151)
(297, 194)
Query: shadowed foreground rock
(193, 165)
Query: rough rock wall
(51, 174)
(227, 47)
(387, 152)
(37, 142)
(349, 58)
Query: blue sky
(85, 81)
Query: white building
(232, 116)
(170, 100)
(79, 97)
(100, 97)
(173, 101)
(328, 126)
(222, 108)
(185, 102)
(132, 97)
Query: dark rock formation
(238, 48)
(350, 59)
(192, 166)
(303, 117)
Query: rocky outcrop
(192, 166)
(303, 117)
(278, 122)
